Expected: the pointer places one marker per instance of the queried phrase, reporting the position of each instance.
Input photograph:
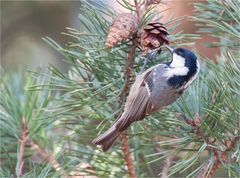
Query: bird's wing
(138, 103)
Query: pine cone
(124, 26)
(152, 2)
(153, 36)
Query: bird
(153, 90)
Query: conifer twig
(128, 71)
(138, 10)
(204, 169)
(50, 159)
(127, 155)
(167, 165)
(123, 95)
(127, 76)
(22, 142)
(77, 172)
(219, 156)
(46, 156)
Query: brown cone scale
(153, 36)
(123, 28)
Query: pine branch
(195, 123)
(51, 160)
(222, 157)
(22, 142)
(138, 9)
(46, 156)
(77, 172)
(167, 165)
(127, 155)
(122, 99)
(216, 163)
(128, 71)
(219, 156)
(127, 76)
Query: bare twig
(138, 10)
(46, 156)
(22, 142)
(123, 95)
(216, 163)
(128, 71)
(204, 170)
(127, 155)
(122, 99)
(82, 170)
(77, 172)
(222, 156)
(167, 165)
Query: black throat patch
(179, 81)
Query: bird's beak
(169, 48)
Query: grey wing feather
(136, 111)
(137, 107)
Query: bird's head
(184, 67)
(182, 57)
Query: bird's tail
(107, 139)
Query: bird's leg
(148, 57)
(144, 64)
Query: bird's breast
(164, 94)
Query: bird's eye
(180, 53)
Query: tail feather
(107, 139)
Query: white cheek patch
(178, 61)
(177, 67)
(180, 71)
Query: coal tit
(154, 89)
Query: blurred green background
(24, 23)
